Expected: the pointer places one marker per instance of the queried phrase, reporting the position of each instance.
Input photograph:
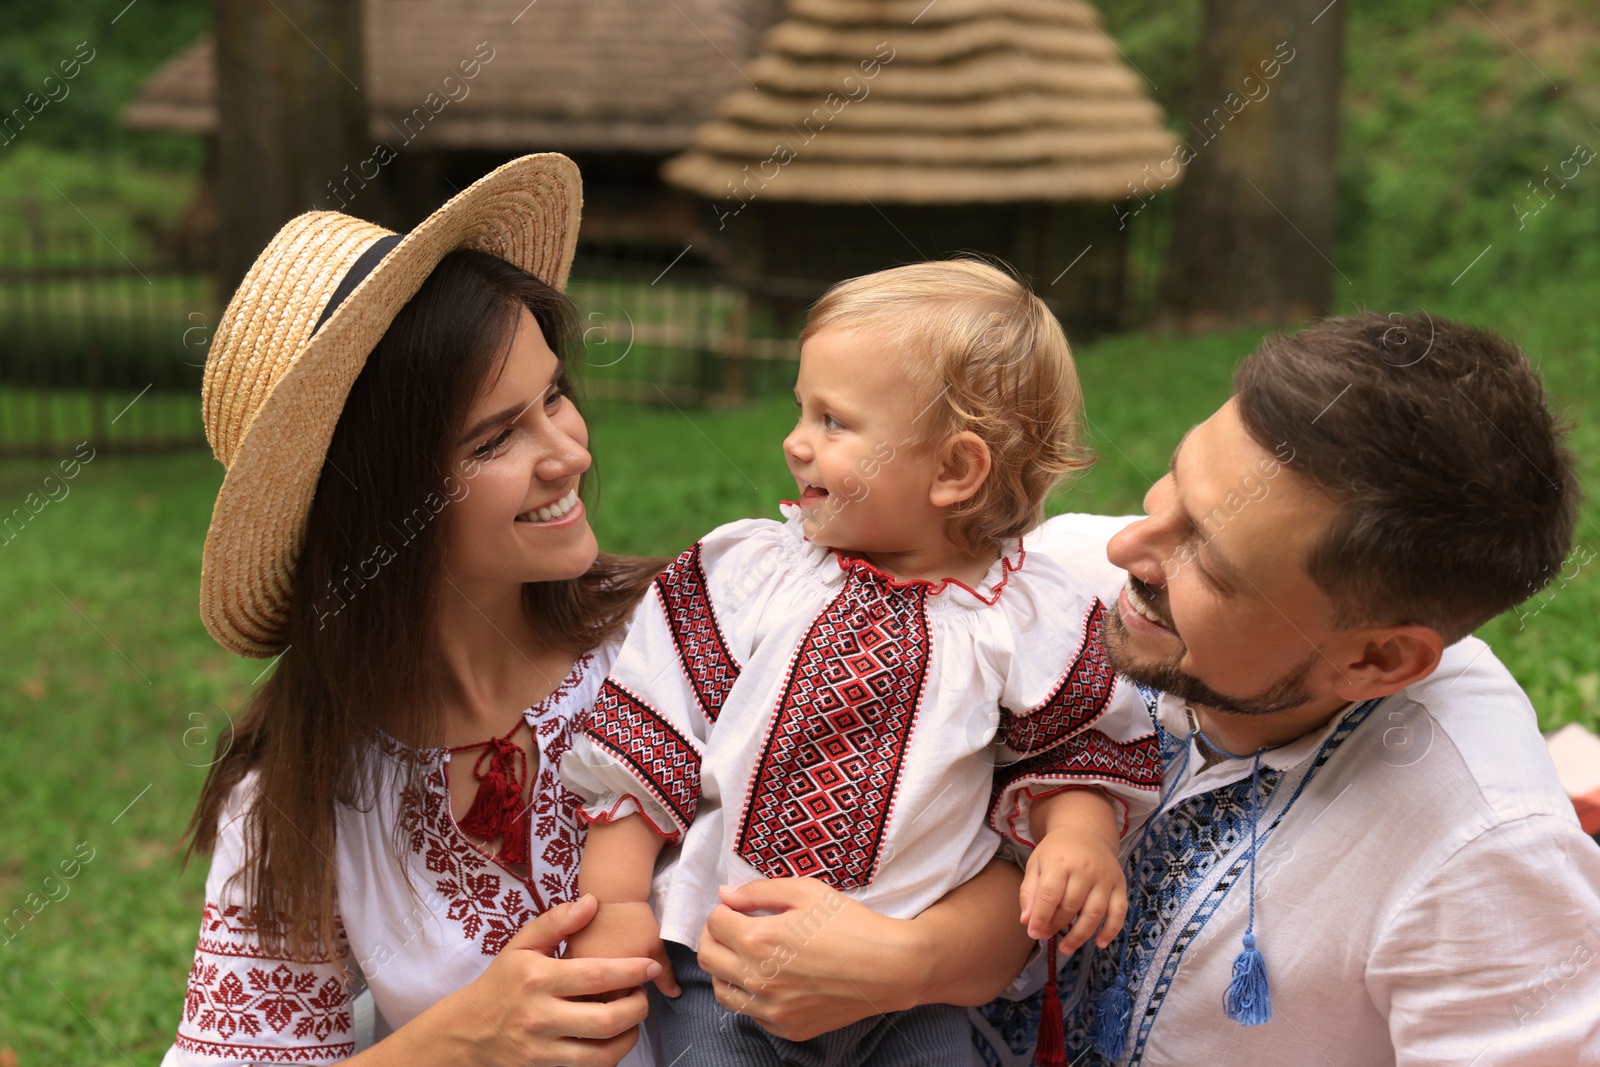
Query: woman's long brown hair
(362, 649)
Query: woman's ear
(963, 466)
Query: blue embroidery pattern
(1184, 846)
(1013, 1024)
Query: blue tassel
(1249, 1003)
(1110, 1032)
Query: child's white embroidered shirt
(781, 710)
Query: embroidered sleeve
(639, 749)
(245, 1005)
(1087, 731)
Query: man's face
(1218, 609)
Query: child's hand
(625, 931)
(1074, 872)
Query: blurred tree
(291, 116)
(1254, 234)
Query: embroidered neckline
(934, 588)
(1163, 954)
(522, 825)
(531, 715)
(1283, 757)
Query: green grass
(54, 421)
(105, 660)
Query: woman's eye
(552, 399)
(491, 446)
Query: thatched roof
(181, 96)
(599, 75)
(955, 101)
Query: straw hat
(294, 337)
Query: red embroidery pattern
(1088, 758)
(1091, 755)
(555, 807)
(237, 1010)
(467, 878)
(1078, 699)
(662, 759)
(488, 901)
(823, 790)
(702, 652)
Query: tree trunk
(1254, 234)
(292, 116)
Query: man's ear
(963, 466)
(1386, 659)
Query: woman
(401, 525)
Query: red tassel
(1051, 1048)
(514, 847)
(498, 810)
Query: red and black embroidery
(243, 1004)
(823, 789)
(702, 652)
(1091, 758)
(662, 759)
(1091, 755)
(1078, 698)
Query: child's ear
(963, 465)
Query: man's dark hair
(1457, 498)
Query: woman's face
(515, 515)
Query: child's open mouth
(811, 494)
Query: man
(1358, 804)
(1419, 891)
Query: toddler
(882, 688)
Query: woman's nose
(566, 457)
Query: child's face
(863, 485)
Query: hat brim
(525, 212)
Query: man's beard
(1289, 691)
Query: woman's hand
(529, 1009)
(820, 961)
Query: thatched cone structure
(1011, 127)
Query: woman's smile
(564, 511)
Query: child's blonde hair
(990, 357)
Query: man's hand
(818, 962)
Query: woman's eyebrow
(498, 417)
(516, 409)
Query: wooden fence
(103, 340)
(97, 345)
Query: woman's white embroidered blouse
(247, 1006)
(781, 710)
